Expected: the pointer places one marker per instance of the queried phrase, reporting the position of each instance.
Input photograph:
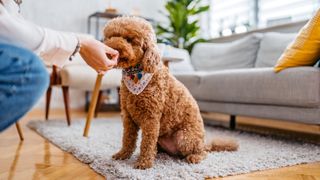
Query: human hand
(97, 54)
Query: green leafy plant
(183, 28)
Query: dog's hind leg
(196, 157)
(190, 144)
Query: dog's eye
(129, 40)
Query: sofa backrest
(233, 55)
(243, 51)
(272, 45)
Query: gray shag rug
(256, 152)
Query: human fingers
(111, 51)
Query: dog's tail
(222, 144)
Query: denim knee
(33, 73)
(23, 80)
(22, 71)
(39, 76)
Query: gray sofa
(237, 78)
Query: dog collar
(135, 79)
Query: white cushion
(271, 47)
(183, 66)
(84, 77)
(234, 55)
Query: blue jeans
(23, 79)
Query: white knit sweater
(52, 46)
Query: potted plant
(183, 28)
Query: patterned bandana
(135, 79)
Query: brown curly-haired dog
(165, 111)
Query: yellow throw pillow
(305, 50)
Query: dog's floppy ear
(151, 58)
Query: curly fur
(165, 111)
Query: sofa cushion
(271, 47)
(191, 79)
(298, 87)
(305, 50)
(234, 55)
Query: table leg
(89, 25)
(93, 104)
(97, 27)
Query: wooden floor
(36, 158)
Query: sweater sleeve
(54, 47)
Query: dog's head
(135, 40)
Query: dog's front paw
(143, 164)
(121, 155)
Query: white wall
(71, 15)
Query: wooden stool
(93, 103)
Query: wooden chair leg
(93, 104)
(65, 91)
(19, 131)
(98, 105)
(48, 99)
